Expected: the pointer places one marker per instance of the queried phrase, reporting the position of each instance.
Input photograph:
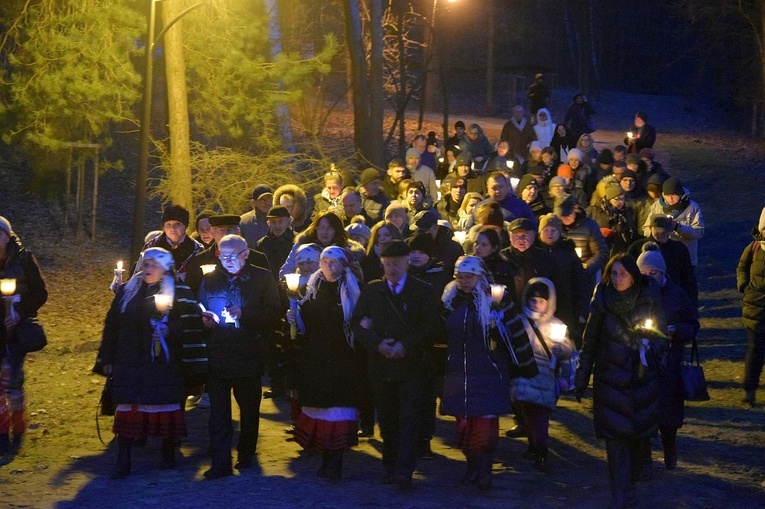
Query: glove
(579, 393)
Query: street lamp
(143, 142)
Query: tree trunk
(275, 40)
(357, 54)
(376, 151)
(178, 110)
(761, 101)
(490, 59)
(402, 98)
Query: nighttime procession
(382, 253)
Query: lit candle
(648, 324)
(293, 281)
(497, 292)
(630, 135)
(7, 287)
(460, 236)
(510, 164)
(438, 184)
(207, 268)
(558, 331)
(440, 159)
(163, 302)
(514, 182)
(578, 251)
(119, 266)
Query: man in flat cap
(253, 224)
(395, 321)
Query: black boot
(668, 436)
(122, 467)
(485, 462)
(471, 472)
(168, 454)
(334, 469)
(5, 444)
(619, 471)
(540, 459)
(642, 468)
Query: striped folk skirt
(137, 421)
(327, 429)
(476, 433)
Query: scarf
(620, 303)
(676, 209)
(519, 125)
(349, 295)
(131, 288)
(481, 300)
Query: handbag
(29, 336)
(694, 382)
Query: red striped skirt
(135, 423)
(475, 433)
(312, 433)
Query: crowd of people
(492, 277)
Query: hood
(551, 302)
(548, 122)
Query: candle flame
(207, 268)
(120, 266)
(7, 287)
(163, 302)
(648, 324)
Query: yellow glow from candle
(497, 292)
(293, 281)
(648, 324)
(460, 236)
(7, 287)
(578, 251)
(630, 135)
(207, 268)
(163, 302)
(119, 266)
(558, 331)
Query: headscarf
(167, 284)
(481, 293)
(348, 283)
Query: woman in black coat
(683, 325)
(330, 370)
(487, 247)
(142, 350)
(20, 265)
(626, 384)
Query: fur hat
(175, 213)
(422, 241)
(673, 186)
(651, 258)
(550, 220)
(369, 175)
(5, 226)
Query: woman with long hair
(382, 233)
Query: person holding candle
(642, 136)
(330, 366)
(242, 307)
(477, 370)
(683, 325)
(487, 247)
(626, 384)
(26, 295)
(150, 319)
(537, 397)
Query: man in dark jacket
(529, 259)
(175, 221)
(395, 321)
(373, 199)
(397, 172)
(277, 243)
(241, 304)
(447, 250)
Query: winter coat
(678, 260)
(573, 291)
(276, 250)
(617, 226)
(427, 176)
(22, 266)
(544, 130)
(690, 223)
(682, 315)
(449, 210)
(586, 235)
(750, 280)
(330, 369)
(519, 137)
(375, 206)
(644, 137)
(447, 249)
(625, 405)
(534, 262)
(577, 119)
(127, 345)
(236, 352)
(502, 272)
(478, 148)
(210, 257)
(182, 253)
(409, 317)
(540, 389)
(253, 226)
(477, 377)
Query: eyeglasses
(232, 257)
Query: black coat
(182, 253)
(679, 266)
(682, 315)
(625, 405)
(237, 352)
(750, 280)
(127, 346)
(210, 257)
(411, 317)
(534, 262)
(276, 250)
(572, 288)
(330, 369)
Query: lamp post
(143, 141)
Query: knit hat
(672, 186)
(522, 223)
(648, 153)
(459, 123)
(224, 220)
(260, 191)
(629, 174)
(565, 171)
(469, 265)
(564, 206)
(557, 181)
(5, 226)
(422, 241)
(160, 255)
(432, 139)
(359, 230)
(535, 169)
(416, 184)
(613, 190)
(278, 211)
(642, 115)
(535, 145)
(462, 160)
(308, 253)
(632, 159)
(606, 157)
(577, 154)
(655, 180)
(412, 152)
(526, 180)
(175, 213)
(550, 220)
(369, 175)
(394, 249)
(539, 290)
(452, 182)
(651, 258)
(424, 220)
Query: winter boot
(749, 398)
(540, 459)
(334, 470)
(670, 452)
(5, 444)
(485, 462)
(322, 472)
(168, 454)
(122, 468)
(471, 472)
(642, 469)
(17, 439)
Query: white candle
(578, 251)
(497, 292)
(558, 331)
(460, 236)
(163, 302)
(440, 159)
(648, 324)
(119, 266)
(293, 281)
(207, 268)
(7, 287)
(514, 182)
(510, 164)
(630, 135)
(438, 184)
